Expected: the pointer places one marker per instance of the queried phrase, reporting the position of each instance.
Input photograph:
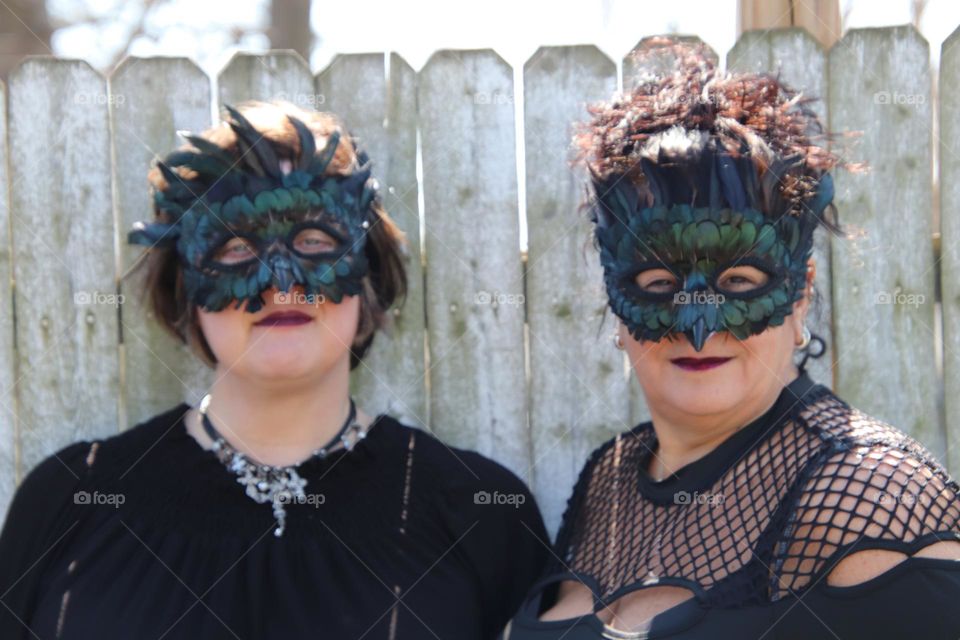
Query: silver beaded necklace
(277, 485)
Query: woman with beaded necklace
(276, 508)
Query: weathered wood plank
(8, 416)
(153, 98)
(950, 241)
(578, 393)
(274, 75)
(63, 238)
(798, 59)
(473, 274)
(381, 112)
(883, 280)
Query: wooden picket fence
(496, 350)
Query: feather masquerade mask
(702, 257)
(241, 226)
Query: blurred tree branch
(290, 26)
(25, 29)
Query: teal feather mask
(244, 225)
(698, 256)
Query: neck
(283, 423)
(684, 438)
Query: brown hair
(384, 285)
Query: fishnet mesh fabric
(824, 476)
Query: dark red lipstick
(698, 364)
(284, 319)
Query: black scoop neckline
(704, 471)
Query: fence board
(578, 387)
(473, 272)
(8, 416)
(949, 142)
(277, 74)
(879, 83)
(381, 112)
(798, 59)
(152, 99)
(63, 236)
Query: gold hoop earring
(805, 340)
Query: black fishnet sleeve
(887, 492)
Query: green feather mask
(244, 225)
(703, 258)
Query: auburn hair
(752, 114)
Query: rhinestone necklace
(278, 485)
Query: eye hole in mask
(742, 279)
(235, 251)
(658, 281)
(311, 240)
(737, 279)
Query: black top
(752, 529)
(147, 535)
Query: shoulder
(487, 512)
(451, 466)
(875, 462)
(836, 421)
(135, 444)
(892, 480)
(62, 470)
(869, 459)
(873, 498)
(148, 432)
(466, 488)
(55, 474)
(39, 511)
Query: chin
(270, 373)
(293, 362)
(701, 392)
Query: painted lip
(698, 364)
(284, 319)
